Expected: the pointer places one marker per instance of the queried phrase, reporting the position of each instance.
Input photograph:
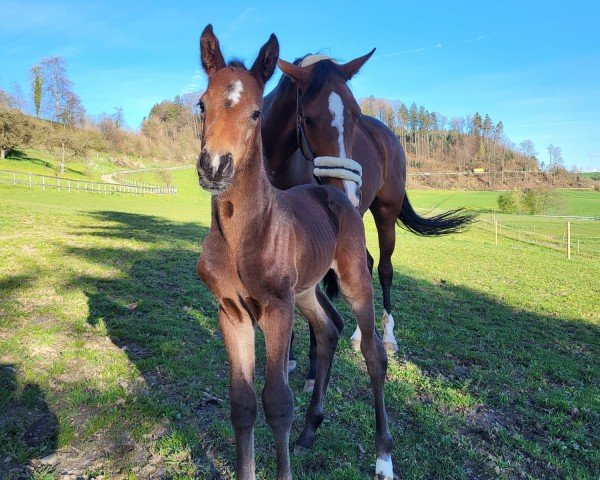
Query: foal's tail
(452, 221)
(330, 282)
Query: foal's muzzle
(215, 172)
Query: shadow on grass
(28, 427)
(479, 390)
(24, 157)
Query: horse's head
(328, 114)
(231, 110)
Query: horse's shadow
(28, 427)
(156, 309)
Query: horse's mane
(322, 70)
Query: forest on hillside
(472, 151)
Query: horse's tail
(330, 282)
(451, 221)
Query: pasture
(112, 366)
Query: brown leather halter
(305, 148)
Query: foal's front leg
(276, 323)
(238, 335)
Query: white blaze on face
(336, 108)
(235, 93)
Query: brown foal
(266, 251)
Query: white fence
(9, 177)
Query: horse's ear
(210, 52)
(264, 65)
(297, 74)
(353, 66)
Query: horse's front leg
(276, 322)
(238, 335)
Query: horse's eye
(255, 114)
(309, 122)
(201, 106)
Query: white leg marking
(355, 339)
(236, 92)
(389, 339)
(384, 468)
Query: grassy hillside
(111, 362)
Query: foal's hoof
(309, 386)
(355, 344)
(391, 347)
(300, 450)
(292, 364)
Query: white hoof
(391, 347)
(355, 344)
(309, 386)
(292, 364)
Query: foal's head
(329, 111)
(231, 109)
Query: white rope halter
(337, 167)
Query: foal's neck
(250, 197)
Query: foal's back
(324, 220)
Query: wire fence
(33, 180)
(574, 236)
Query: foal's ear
(210, 52)
(353, 66)
(297, 74)
(264, 65)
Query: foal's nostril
(203, 161)
(226, 166)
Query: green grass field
(111, 363)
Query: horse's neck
(279, 127)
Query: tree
(14, 130)
(58, 86)
(487, 126)
(37, 88)
(6, 100)
(477, 124)
(527, 149)
(555, 155)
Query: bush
(506, 202)
(531, 201)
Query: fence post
(569, 240)
(14, 179)
(43, 183)
(496, 230)
(30, 181)
(58, 183)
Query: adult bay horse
(267, 251)
(311, 115)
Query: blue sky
(534, 65)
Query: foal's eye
(309, 122)
(201, 106)
(255, 114)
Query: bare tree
(57, 85)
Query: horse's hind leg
(355, 338)
(355, 285)
(321, 315)
(385, 219)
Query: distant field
(110, 355)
